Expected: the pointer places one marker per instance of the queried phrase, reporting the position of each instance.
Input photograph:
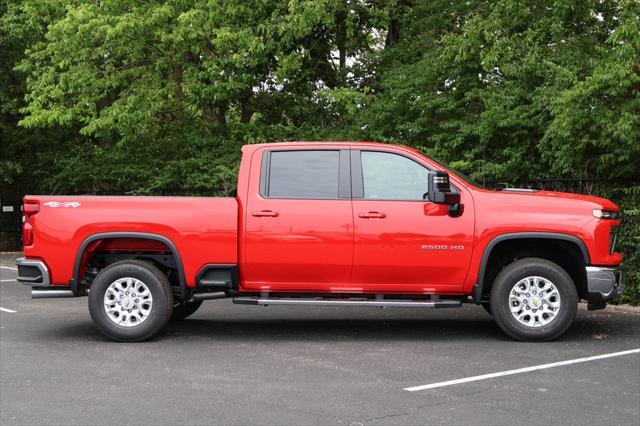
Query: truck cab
(328, 223)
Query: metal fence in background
(10, 225)
(590, 186)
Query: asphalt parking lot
(235, 364)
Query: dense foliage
(142, 97)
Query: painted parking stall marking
(11, 269)
(520, 370)
(9, 311)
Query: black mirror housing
(440, 192)
(440, 189)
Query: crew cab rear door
(299, 223)
(404, 243)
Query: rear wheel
(534, 300)
(130, 301)
(184, 310)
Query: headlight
(606, 214)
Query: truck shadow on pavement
(585, 328)
(334, 329)
(324, 330)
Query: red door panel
(298, 223)
(402, 243)
(415, 247)
(307, 246)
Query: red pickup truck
(327, 223)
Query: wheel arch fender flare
(477, 288)
(75, 280)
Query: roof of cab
(253, 147)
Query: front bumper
(603, 283)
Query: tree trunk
(341, 34)
(245, 110)
(216, 114)
(177, 79)
(393, 34)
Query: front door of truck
(299, 224)
(403, 242)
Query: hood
(597, 202)
(543, 211)
(546, 200)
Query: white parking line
(11, 311)
(11, 269)
(520, 370)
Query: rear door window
(310, 174)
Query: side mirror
(440, 192)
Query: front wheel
(534, 299)
(130, 301)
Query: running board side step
(50, 293)
(266, 301)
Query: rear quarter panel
(203, 230)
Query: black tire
(185, 310)
(516, 271)
(158, 286)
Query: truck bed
(202, 229)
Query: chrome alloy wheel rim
(534, 301)
(128, 302)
